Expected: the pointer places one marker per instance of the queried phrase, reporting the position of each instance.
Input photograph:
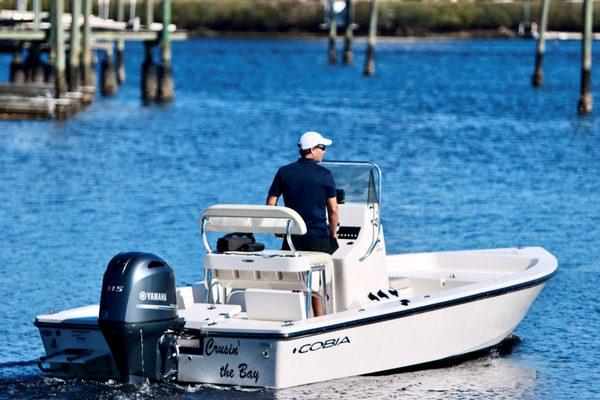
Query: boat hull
(442, 331)
(463, 302)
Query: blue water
(472, 157)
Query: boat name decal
(152, 296)
(243, 372)
(315, 346)
(227, 350)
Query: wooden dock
(53, 73)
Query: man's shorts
(313, 243)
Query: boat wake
(11, 364)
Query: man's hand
(333, 216)
(271, 201)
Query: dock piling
(17, 68)
(133, 20)
(120, 64)
(537, 79)
(58, 45)
(370, 56)
(149, 71)
(166, 87)
(108, 75)
(69, 70)
(74, 46)
(104, 9)
(584, 105)
(348, 56)
(120, 44)
(37, 11)
(149, 75)
(149, 13)
(88, 72)
(35, 67)
(33, 64)
(332, 34)
(21, 5)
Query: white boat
(250, 322)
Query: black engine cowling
(137, 307)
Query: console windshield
(360, 181)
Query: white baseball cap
(308, 140)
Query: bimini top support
(248, 218)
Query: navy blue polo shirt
(306, 186)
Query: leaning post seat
(268, 269)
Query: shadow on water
(11, 364)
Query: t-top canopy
(248, 218)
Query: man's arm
(333, 215)
(274, 190)
(271, 200)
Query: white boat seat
(267, 269)
(274, 305)
(267, 260)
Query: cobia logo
(305, 348)
(152, 296)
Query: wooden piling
(104, 9)
(370, 56)
(132, 18)
(37, 11)
(348, 56)
(49, 73)
(537, 79)
(149, 13)
(59, 62)
(88, 73)
(35, 67)
(149, 75)
(332, 34)
(108, 75)
(20, 5)
(58, 46)
(584, 105)
(74, 46)
(166, 87)
(16, 67)
(33, 63)
(149, 82)
(120, 44)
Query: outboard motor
(137, 309)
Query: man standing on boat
(309, 189)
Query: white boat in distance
(250, 322)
